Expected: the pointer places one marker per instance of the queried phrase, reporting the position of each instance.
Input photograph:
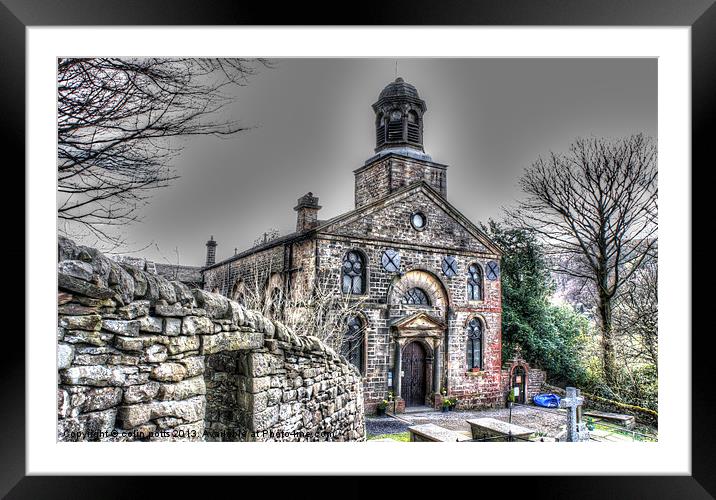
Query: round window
(418, 221)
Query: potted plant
(590, 424)
(446, 404)
(380, 409)
(453, 404)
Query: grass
(400, 436)
(636, 437)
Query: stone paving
(548, 423)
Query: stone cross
(576, 429)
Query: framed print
(280, 244)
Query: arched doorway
(413, 385)
(519, 380)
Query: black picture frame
(700, 15)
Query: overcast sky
(312, 125)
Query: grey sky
(487, 119)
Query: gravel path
(548, 423)
(384, 425)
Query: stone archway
(423, 329)
(518, 380)
(422, 280)
(238, 292)
(418, 322)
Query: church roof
(399, 91)
(399, 88)
(429, 190)
(262, 246)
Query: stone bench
(493, 429)
(434, 433)
(626, 421)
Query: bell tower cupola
(400, 159)
(399, 114)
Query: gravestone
(487, 428)
(432, 432)
(576, 429)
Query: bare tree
(320, 309)
(115, 121)
(595, 208)
(636, 316)
(313, 306)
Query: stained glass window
(417, 297)
(492, 270)
(449, 266)
(474, 282)
(275, 305)
(353, 345)
(474, 344)
(353, 273)
(390, 261)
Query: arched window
(353, 273)
(395, 125)
(237, 292)
(380, 129)
(474, 282)
(275, 305)
(353, 346)
(413, 126)
(417, 297)
(474, 344)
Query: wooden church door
(412, 388)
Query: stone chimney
(307, 209)
(211, 252)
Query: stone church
(427, 278)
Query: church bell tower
(399, 118)
(400, 158)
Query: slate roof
(399, 88)
(400, 91)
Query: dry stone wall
(141, 358)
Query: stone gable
(390, 221)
